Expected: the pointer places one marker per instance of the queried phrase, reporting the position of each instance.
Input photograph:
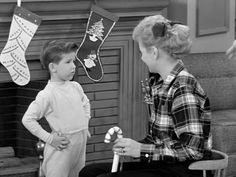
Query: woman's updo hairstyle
(158, 31)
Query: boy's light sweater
(64, 105)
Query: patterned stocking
(23, 27)
(100, 24)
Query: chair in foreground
(218, 163)
(40, 148)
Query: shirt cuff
(47, 138)
(150, 152)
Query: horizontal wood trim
(90, 148)
(104, 103)
(74, 9)
(101, 86)
(106, 112)
(8, 109)
(215, 22)
(96, 139)
(107, 78)
(7, 134)
(103, 120)
(216, 30)
(7, 100)
(103, 147)
(101, 129)
(26, 93)
(106, 95)
(7, 92)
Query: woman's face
(148, 57)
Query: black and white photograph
(117, 88)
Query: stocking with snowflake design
(23, 27)
(99, 26)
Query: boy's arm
(35, 112)
(85, 102)
(86, 105)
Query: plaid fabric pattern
(180, 119)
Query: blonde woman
(180, 114)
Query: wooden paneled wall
(117, 98)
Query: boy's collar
(57, 82)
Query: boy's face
(65, 69)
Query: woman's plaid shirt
(179, 126)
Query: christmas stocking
(100, 24)
(23, 27)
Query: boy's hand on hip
(60, 141)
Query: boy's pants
(67, 162)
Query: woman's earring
(156, 50)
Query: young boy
(66, 108)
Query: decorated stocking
(23, 27)
(100, 24)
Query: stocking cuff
(104, 13)
(26, 14)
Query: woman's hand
(60, 141)
(127, 147)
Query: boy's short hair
(52, 51)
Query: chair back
(218, 163)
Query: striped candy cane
(18, 3)
(109, 133)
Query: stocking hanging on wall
(23, 27)
(99, 25)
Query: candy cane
(109, 133)
(18, 3)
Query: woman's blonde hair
(160, 32)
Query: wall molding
(212, 17)
(74, 9)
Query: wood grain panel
(212, 17)
(106, 112)
(104, 120)
(101, 86)
(106, 95)
(105, 103)
(97, 155)
(102, 129)
(103, 147)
